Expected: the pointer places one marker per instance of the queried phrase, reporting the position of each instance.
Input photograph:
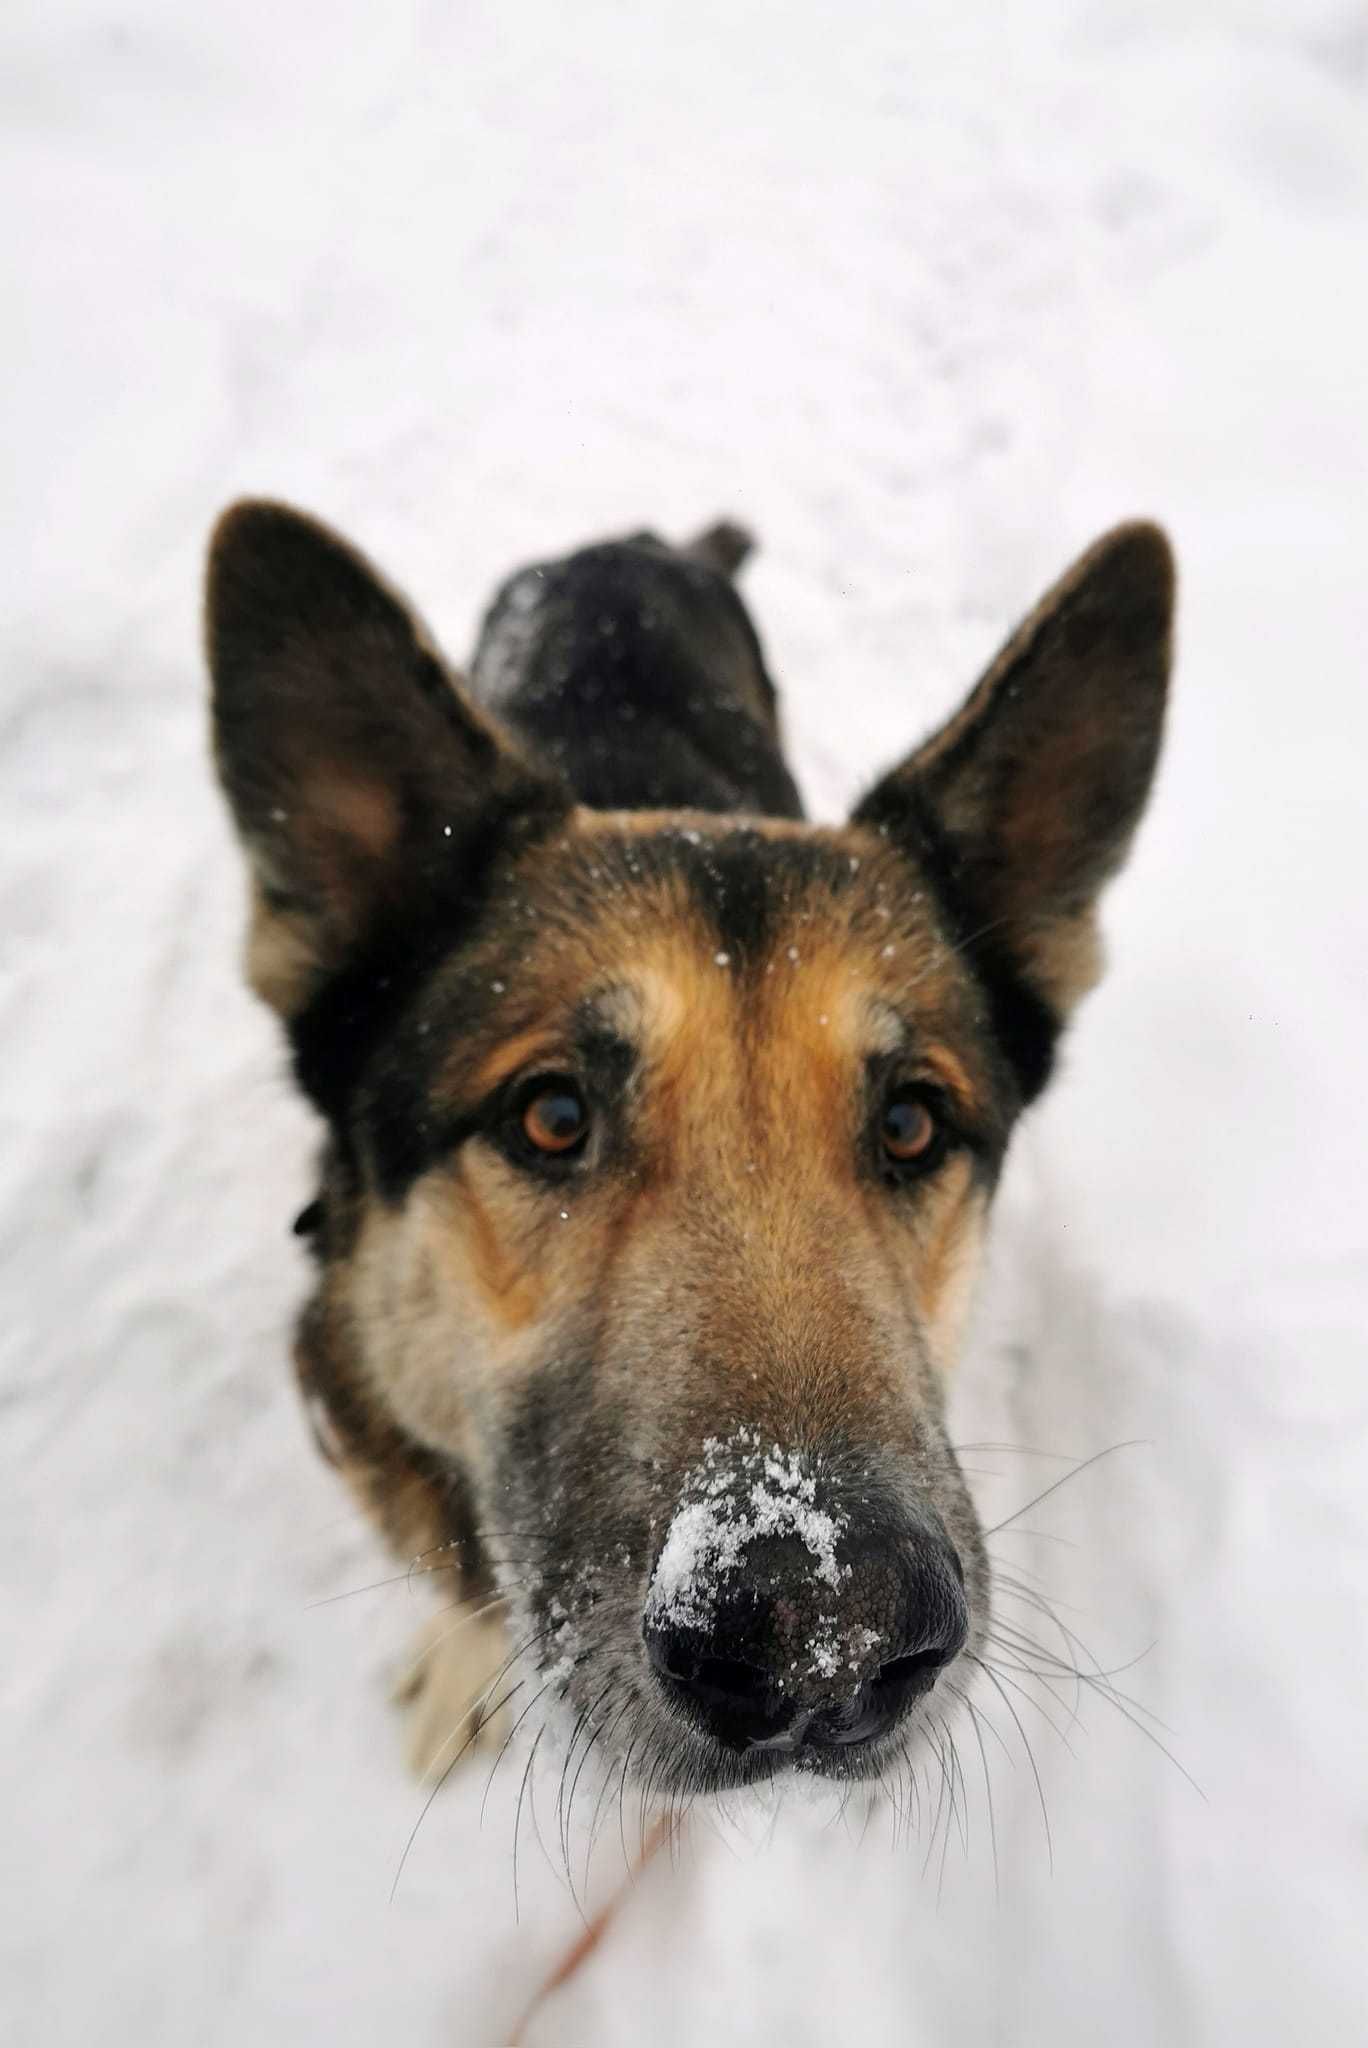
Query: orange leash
(585, 1943)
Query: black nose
(783, 1662)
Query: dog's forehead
(744, 896)
(658, 931)
(740, 880)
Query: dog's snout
(787, 1657)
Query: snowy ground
(928, 306)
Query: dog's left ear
(1027, 798)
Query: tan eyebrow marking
(512, 1054)
(621, 1006)
(890, 1033)
(947, 1069)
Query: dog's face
(661, 1145)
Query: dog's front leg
(456, 1687)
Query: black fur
(634, 669)
(336, 1037)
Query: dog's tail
(723, 546)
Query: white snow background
(928, 296)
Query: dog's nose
(781, 1660)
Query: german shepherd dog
(662, 1126)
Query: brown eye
(556, 1118)
(910, 1133)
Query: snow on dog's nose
(777, 1621)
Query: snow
(928, 299)
(739, 1493)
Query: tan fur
(450, 1688)
(746, 1118)
(280, 958)
(945, 1273)
(1066, 960)
(359, 811)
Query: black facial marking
(336, 1035)
(747, 885)
(609, 1059)
(735, 889)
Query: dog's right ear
(365, 787)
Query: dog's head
(661, 1144)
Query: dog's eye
(910, 1132)
(555, 1118)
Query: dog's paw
(450, 1690)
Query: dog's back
(634, 667)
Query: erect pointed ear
(1028, 796)
(363, 784)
